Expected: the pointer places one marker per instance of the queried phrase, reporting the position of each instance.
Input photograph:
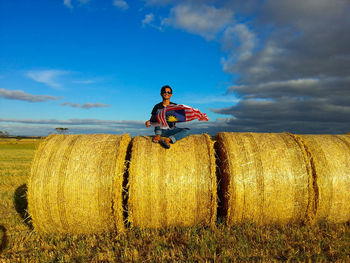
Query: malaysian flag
(179, 113)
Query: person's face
(167, 93)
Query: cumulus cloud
(87, 81)
(85, 105)
(299, 88)
(239, 42)
(158, 2)
(149, 21)
(204, 20)
(47, 77)
(298, 79)
(288, 114)
(301, 41)
(149, 18)
(121, 4)
(225, 98)
(21, 95)
(68, 3)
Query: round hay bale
(331, 164)
(174, 187)
(264, 178)
(76, 182)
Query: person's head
(166, 92)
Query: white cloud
(149, 18)
(121, 4)
(225, 98)
(239, 41)
(68, 3)
(88, 81)
(159, 2)
(149, 21)
(21, 95)
(48, 77)
(204, 20)
(85, 105)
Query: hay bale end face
(264, 178)
(75, 180)
(175, 187)
(331, 161)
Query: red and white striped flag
(179, 113)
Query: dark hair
(164, 87)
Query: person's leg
(158, 132)
(177, 134)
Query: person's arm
(153, 118)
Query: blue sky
(98, 66)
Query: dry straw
(264, 178)
(175, 187)
(76, 183)
(330, 158)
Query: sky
(250, 65)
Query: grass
(245, 242)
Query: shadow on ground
(21, 204)
(3, 238)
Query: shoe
(165, 142)
(156, 138)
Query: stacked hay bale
(265, 178)
(76, 183)
(175, 187)
(330, 159)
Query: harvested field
(175, 187)
(75, 180)
(246, 242)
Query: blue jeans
(175, 134)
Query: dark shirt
(158, 107)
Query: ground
(245, 242)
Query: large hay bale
(264, 178)
(76, 183)
(175, 187)
(330, 157)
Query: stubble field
(244, 242)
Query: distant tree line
(4, 134)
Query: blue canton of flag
(176, 116)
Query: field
(245, 242)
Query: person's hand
(148, 123)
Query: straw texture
(264, 178)
(331, 164)
(76, 183)
(175, 187)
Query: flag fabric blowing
(179, 113)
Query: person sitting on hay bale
(165, 115)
